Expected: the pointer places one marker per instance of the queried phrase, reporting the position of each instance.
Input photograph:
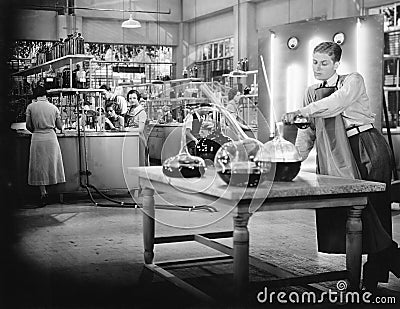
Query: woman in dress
(45, 159)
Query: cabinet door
(155, 146)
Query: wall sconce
(293, 42)
(338, 38)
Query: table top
(305, 184)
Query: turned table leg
(148, 225)
(241, 250)
(354, 246)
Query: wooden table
(306, 191)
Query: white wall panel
(271, 13)
(110, 31)
(300, 9)
(204, 7)
(212, 28)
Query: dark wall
(7, 227)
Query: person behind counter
(45, 159)
(233, 101)
(348, 145)
(119, 102)
(194, 122)
(113, 121)
(233, 106)
(137, 118)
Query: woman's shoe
(44, 200)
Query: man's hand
(288, 118)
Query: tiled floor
(76, 255)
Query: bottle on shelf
(184, 72)
(80, 44)
(195, 71)
(81, 78)
(61, 48)
(246, 64)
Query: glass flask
(281, 156)
(184, 165)
(302, 122)
(206, 127)
(210, 125)
(235, 163)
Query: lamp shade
(131, 23)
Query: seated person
(232, 106)
(113, 121)
(119, 102)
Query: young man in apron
(349, 146)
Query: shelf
(55, 64)
(392, 29)
(182, 80)
(391, 88)
(245, 72)
(62, 90)
(395, 130)
(178, 99)
(385, 57)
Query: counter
(107, 154)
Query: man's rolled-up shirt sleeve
(306, 137)
(333, 105)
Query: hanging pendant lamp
(131, 23)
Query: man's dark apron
(335, 158)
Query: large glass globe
(184, 165)
(281, 155)
(235, 164)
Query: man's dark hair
(39, 91)
(105, 87)
(110, 105)
(133, 91)
(331, 49)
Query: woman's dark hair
(231, 93)
(105, 87)
(331, 49)
(39, 91)
(133, 91)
